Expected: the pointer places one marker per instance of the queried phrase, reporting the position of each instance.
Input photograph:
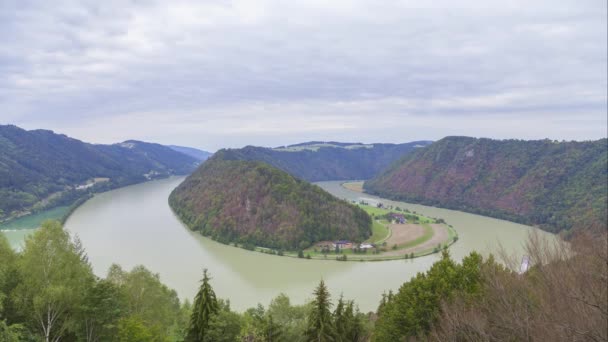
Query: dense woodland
(337, 161)
(255, 204)
(39, 168)
(49, 293)
(557, 185)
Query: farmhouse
(342, 244)
(399, 218)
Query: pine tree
(205, 306)
(320, 326)
(340, 320)
(354, 326)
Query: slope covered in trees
(255, 204)
(557, 185)
(322, 161)
(192, 152)
(40, 168)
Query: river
(134, 225)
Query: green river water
(134, 225)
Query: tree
(8, 273)
(55, 278)
(133, 329)
(340, 319)
(205, 306)
(224, 326)
(146, 298)
(355, 330)
(102, 308)
(320, 325)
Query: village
(397, 234)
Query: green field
(34, 220)
(379, 232)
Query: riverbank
(135, 223)
(389, 241)
(17, 229)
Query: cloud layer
(230, 73)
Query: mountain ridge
(556, 185)
(322, 163)
(40, 169)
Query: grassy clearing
(380, 232)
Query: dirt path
(440, 236)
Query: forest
(254, 204)
(315, 161)
(48, 292)
(559, 186)
(39, 169)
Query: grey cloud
(66, 64)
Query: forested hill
(255, 204)
(321, 161)
(40, 168)
(192, 152)
(557, 185)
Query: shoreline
(70, 208)
(451, 238)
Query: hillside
(321, 161)
(40, 168)
(192, 152)
(255, 204)
(557, 185)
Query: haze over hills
(255, 204)
(40, 169)
(557, 185)
(192, 152)
(321, 161)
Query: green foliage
(55, 277)
(320, 323)
(48, 292)
(38, 169)
(205, 306)
(101, 309)
(331, 162)
(12, 333)
(254, 204)
(224, 326)
(411, 312)
(133, 329)
(145, 297)
(557, 185)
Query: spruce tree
(320, 323)
(205, 306)
(340, 323)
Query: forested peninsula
(251, 203)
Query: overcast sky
(214, 74)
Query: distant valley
(321, 161)
(40, 169)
